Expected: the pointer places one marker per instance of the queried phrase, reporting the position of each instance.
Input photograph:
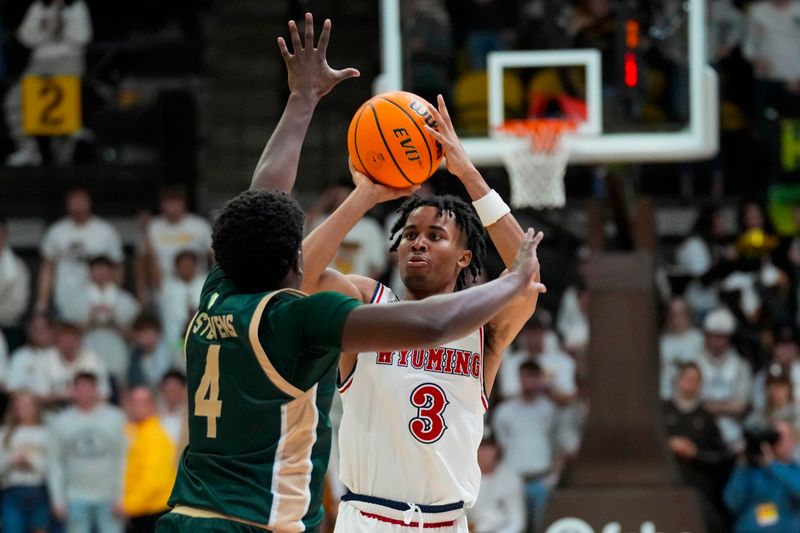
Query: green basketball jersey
(261, 372)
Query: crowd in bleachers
(92, 365)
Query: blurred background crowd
(96, 291)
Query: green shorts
(178, 523)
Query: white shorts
(358, 517)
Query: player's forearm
(429, 322)
(277, 167)
(321, 245)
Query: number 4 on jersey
(428, 426)
(211, 408)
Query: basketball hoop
(535, 157)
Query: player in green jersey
(261, 357)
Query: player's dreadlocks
(466, 219)
(256, 239)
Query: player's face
(431, 252)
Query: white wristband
(491, 208)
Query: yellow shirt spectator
(151, 468)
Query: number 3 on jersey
(211, 408)
(428, 426)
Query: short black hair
(689, 365)
(180, 256)
(257, 237)
(172, 192)
(101, 260)
(85, 375)
(146, 320)
(174, 373)
(531, 367)
(466, 219)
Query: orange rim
(544, 133)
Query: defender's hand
(526, 265)
(309, 73)
(376, 192)
(456, 158)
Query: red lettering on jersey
(434, 362)
(418, 358)
(384, 358)
(462, 363)
(403, 359)
(476, 365)
(448, 360)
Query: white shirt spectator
(572, 322)
(24, 372)
(178, 302)
(558, 367)
(102, 310)
(500, 507)
(88, 450)
(693, 256)
(525, 431)
(59, 374)
(173, 422)
(675, 349)
(760, 386)
(773, 34)
(191, 232)
(54, 51)
(726, 378)
(69, 246)
(15, 281)
(35, 441)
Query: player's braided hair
(256, 239)
(466, 219)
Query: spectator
(680, 343)
(785, 360)
(151, 468)
(180, 296)
(88, 465)
(174, 407)
(524, 427)
(695, 441)
(66, 247)
(500, 506)
(779, 406)
(58, 370)
(538, 343)
(173, 231)
(106, 311)
(24, 445)
(764, 490)
(773, 46)
(24, 369)
(726, 376)
(572, 321)
(363, 251)
(57, 32)
(15, 281)
(151, 356)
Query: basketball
(387, 140)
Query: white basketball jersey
(413, 420)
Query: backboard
(612, 99)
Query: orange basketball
(388, 142)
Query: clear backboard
(612, 92)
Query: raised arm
(438, 319)
(310, 78)
(321, 245)
(503, 229)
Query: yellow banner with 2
(51, 105)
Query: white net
(536, 161)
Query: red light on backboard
(631, 70)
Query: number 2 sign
(51, 105)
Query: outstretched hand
(456, 159)
(527, 262)
(309, 72)
(378, 193)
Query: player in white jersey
(413, 419)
